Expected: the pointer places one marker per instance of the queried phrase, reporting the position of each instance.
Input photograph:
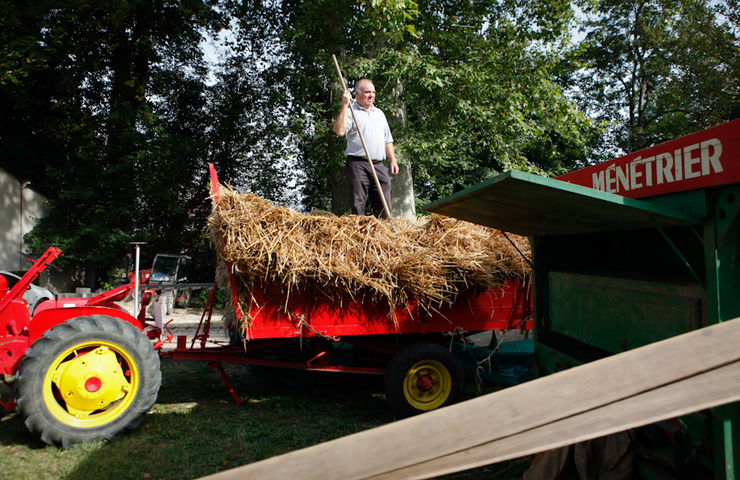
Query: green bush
(221, 297)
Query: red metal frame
(310, 315)
(15, 318)
(38, 266)
(352, 322)
(215, 192)
(18, 331)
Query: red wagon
(83, 369)
(411, 350)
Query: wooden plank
(607, 385)
(706, 390)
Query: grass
(196, 429)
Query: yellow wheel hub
(427, 385)
(90, 384)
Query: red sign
(704, 159)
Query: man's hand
(340, 124)
(390, 154)
(346, 99)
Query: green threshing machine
(630, 252)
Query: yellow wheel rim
(427, 385)
(90, 384)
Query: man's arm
(390, 154)
(340, 124)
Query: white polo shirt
(374, 128)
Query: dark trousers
(361, 183)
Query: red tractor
(82, 370)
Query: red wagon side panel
(310, 315)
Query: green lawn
(196, 429)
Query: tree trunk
(402, 192)
(402, 185)
(339, 191)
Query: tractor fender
(50, 317)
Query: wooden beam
(692, 394)
(683, 374)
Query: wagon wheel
(89, 378)
(423, 377)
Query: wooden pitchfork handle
(364, 145)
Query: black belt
(361, 159)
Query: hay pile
(431, 260)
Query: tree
(468, 87)
(112, 113)
(248, 135)
(655, 70)
(106, 103)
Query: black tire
(423, 377)
(184, 299)
(90, 378)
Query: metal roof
(532, 205)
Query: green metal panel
(550, 360)
(617, 314)
(722, 257)
(532, 205)
(612, 273)
(727, 245)
(693, 202)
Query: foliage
(248, 138)
(467, 87)
(656, 70)
(111, 111)
(105, 105)
(204, 295)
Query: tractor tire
(423, 377)
(90, 378)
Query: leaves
(657, 70)
(104, 126)
(111, 111)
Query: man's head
(365, 93)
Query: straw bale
(432, 259)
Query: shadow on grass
(196, 429)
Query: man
(372, 123)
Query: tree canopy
(112, 110)
(655, 70)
